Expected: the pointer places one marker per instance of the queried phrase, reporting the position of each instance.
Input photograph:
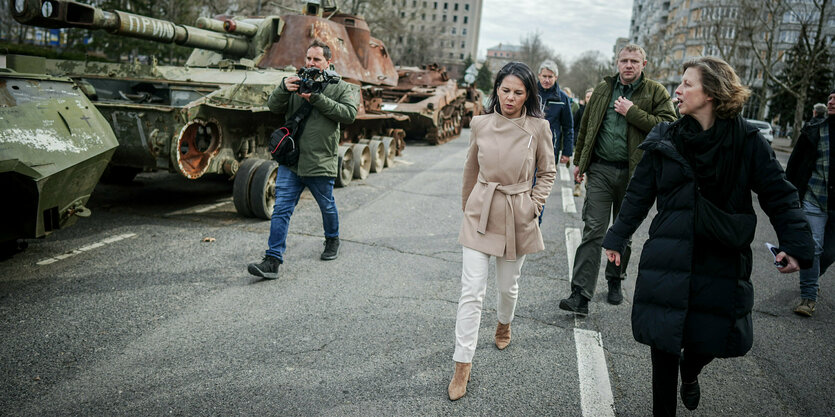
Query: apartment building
(673, 30)
(445, 32)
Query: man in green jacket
(317, 165)
(621, 112)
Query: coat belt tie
(510, 224)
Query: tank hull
(54, 146)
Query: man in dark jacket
(810, 169)
(617, 118)
(317, 165)
(557, 108)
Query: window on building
(450, 55)
(463, 44)
(414, 3)
(402, 15)
(789, 36)
(464, 31)
(465, 20)
(467, 7)
(444, 18)
(452, 31)
(455, 18)
(404, 3)
(433, 17)
(435, 5)
(424, 5)
(461, 56)
(446, 6)
(455, 7)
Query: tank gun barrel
(71, 14)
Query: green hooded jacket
(319, 142)
(651, 105)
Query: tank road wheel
(262, 190)
(389, 149)
(362, 161)
(378, 154)
(345, 166)
(240, 188)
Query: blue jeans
(817, 219)
(288, 189)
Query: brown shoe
(458, 385)
(805, 308)
(502, 335)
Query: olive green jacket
(319, 142)
(651, 105)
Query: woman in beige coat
(507, 178)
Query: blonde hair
(720, 82)
(631, 47)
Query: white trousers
(473, 288)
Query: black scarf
(714, 154)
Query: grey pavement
(163, 323)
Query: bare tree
(812, 43)
(586, 71)
(534, 51)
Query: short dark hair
(326, 50)
(524, 73)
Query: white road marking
(572, 240)
(596, 397)
(564, 174)
(83, 249)
(568, 200)
(199, 209)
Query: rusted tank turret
(210, 116)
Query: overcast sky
(569, 27)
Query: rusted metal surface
(434, 103)
(300, 31)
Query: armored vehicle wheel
(345, 166)
(362, 161)
(262, 190)
(390, 150)
(240, 188)
(378, 154)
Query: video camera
(314, 80)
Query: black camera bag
(283, 145)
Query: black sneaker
(615, 296)
(690, 394)
(267, 269)
(331, 249)
(576, 303)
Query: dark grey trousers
(605, 188)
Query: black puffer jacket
(693, 291)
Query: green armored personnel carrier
(54, 146)
(210, 116)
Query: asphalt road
(130, 312)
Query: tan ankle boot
(458, 385)
(502, 335)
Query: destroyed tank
(54, 146)
(210, 116)
(436, 107)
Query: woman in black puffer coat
(693, 295)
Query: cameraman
(317, 165)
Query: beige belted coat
(500, 206)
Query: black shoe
(331, 249)
(690, 394)
(576, 303)
(615, 297)
(267, 269)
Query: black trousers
(665, 367)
